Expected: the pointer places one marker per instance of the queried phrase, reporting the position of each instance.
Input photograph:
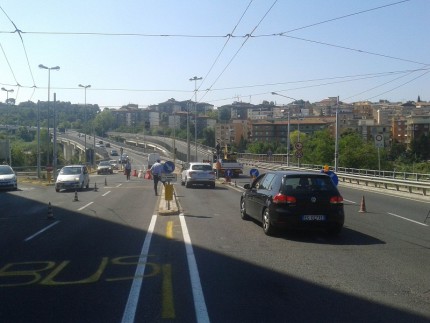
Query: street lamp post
(288, 127)
(7, 94)
(85, 119)
(56, 68)
(195, 79)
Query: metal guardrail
(410, 186)
(411, 182)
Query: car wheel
(187, 184)
(268, 227)
(57, 190)
(212, 185)
(243, 213)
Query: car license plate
(313, 217)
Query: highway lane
(86, 267)
(377, 270)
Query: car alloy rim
(265, 220)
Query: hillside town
(269, 122)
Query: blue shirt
(157, 169)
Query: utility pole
(195, 79)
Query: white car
(8, 178)
(197, 173)
(104, 167)
(73, 177)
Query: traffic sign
(168, 167)
(379, 141)
(298, 145)
(299, 153)
(254, 172)
(169, 177)
(228, 173)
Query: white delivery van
(152, 158)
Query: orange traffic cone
(362, 206)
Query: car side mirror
(247, 186)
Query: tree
(354, 152)
(319, 148)
(103, 122)
(209, 137)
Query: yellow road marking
(169, 230)
(168, 307)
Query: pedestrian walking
(156, 170)
(127, 169)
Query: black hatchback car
(292, 199)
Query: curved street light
(55, 68)
(288, 129)
(195, 79)
(7, 94)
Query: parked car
(290, 199)
(73, 177)
(197, 173)
(104, 167)
(100, 146)
(107, 145)
(114, 152)
(8, 179)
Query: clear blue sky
(311, 50)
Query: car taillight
(283, 199)
(336, 200)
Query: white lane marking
(401, 217)
(41, 231)
(80, 209)
(352, 202)
(133, 297)
(119, 185)
(196, 286)
(106, 193)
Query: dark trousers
(157, 178)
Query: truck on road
(227, 160)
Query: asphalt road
(109, 257)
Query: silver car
(8, 178)
(73, 177)
(197, 173)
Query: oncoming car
(73, 177)
(104, 167)
(8, 178)
(197, 173)
(291, 199)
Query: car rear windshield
(295, 184)
(201, 167)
